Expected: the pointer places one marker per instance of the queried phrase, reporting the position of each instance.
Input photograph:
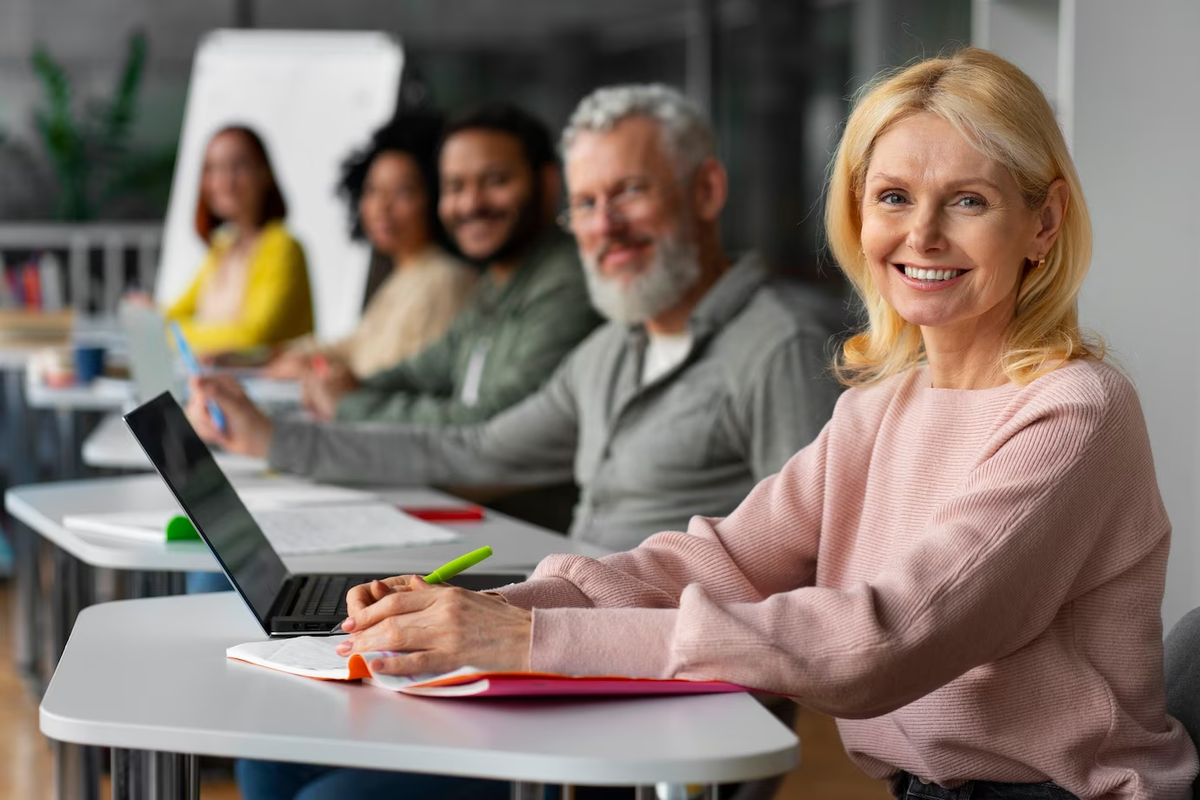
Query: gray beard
(673, 272)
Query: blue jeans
(270, 780)
(203, 582)
(909, 787)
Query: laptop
(151, 362)
(283, 603)
(153, 369)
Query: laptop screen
(210, 502)
(150, 359)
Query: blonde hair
(1004, 115)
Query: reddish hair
(273, 205)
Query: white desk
(517, 545)
(42, 507)
(112, 446)
(102, 394)
(152, 675)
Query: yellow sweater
(276, 305)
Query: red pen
(463, 513)
(320, 365)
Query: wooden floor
(26, 766)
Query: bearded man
(707, 378)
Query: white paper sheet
(289, 495)
(332, 528)
(316, 657)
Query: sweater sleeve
(277, 304)
(993, 568)
(532, 443)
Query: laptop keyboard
(328, 597)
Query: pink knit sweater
(969, 580)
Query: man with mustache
(708, 377)
(500, 185)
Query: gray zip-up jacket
(753, 390)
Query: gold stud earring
(1041, 262)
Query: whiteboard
(313, 97)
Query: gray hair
(687, 134)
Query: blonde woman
(966, 566)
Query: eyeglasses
(631, 199)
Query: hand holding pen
(193, 369)
(434, 628)
(360, 597)
(247, 431)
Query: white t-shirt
(664, 352)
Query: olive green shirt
(498, 351)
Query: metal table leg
(23, 466)
(22, 469)
(680, 791)
(122, 771)
(146, 775)
(72, 592)
(27, 582)
(527, 791)
(68, 449)
(172, 776)
(76, 766)
(76, 772)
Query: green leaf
(122, 109)
(88, 147)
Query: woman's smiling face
(945, 229)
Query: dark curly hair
(417, 135)
(532, 133)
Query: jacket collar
(724, 300)
(535, 257)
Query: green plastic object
(180, 529)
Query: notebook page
(332, 528)
(317, 657)
(397, 683)
(149, 526)
(305, 655)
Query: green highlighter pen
(445, 572)
(448, 571)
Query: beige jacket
(410, 311)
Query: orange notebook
(315, 657)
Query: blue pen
(193, 368)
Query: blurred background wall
(776, 76)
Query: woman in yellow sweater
(252, 289)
